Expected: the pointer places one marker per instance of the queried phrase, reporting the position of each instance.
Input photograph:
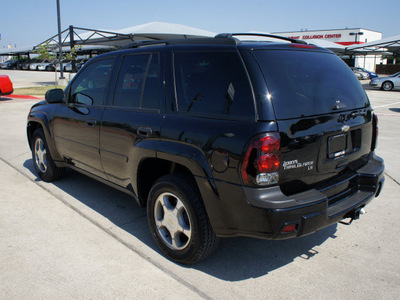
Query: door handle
(91, 123)
(144, 131)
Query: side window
(212, 83)
(137, 84)
(90, 86)
(150, 97)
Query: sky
(26, 22)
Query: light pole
(356, 35)
(59, 39)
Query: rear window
(306, 83)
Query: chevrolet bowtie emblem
(345, 128)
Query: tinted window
(212, 83)
(151, 88)
(137, 84)
(130, 80)
(305, 83)
(89, 87)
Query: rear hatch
(323, 116)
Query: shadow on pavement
(242, 258)
(5, 99)
(46, 83)
(235, 259)
(395, 110)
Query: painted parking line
(386, 105)
(388, 115)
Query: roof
(391, 44)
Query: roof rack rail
(231, 35)
(182, 41)
(138, 44)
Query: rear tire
(44, 164)
(178, 220)
(387, 86)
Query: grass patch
(36, 91)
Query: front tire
(387, 86)
(178, 220)
(44, 164)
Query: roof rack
(183, 41)
(219, 39)
(231, 35)
(138, 44)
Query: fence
(387, 69)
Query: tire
(178, 220)
(387, 86)
(44, 164)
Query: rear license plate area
(338, 145)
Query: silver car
(46, 66)
(364, 75)
(387, 83)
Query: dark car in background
(25, 65)
(217, 137)
(9, 64)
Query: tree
(44, 52)
(73, 53)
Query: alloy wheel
(172, 221)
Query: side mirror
(54, 96)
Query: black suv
(217, 137)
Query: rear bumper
(9, 92)
(270, 210)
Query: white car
(65, 66)
(387, 83)
(34, 66)
(46, 66)
(364, 75)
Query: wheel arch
(174, 158)
(151, 169)
(36, 121)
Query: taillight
(375, 132)
(262, 160)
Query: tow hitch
(353, 215)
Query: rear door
(323, 115)
(131, 123)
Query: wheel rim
(40, 155)
(172, 221)
(387, 86)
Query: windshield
(306, 83)
(395, 74)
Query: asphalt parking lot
(77, 238)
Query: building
(344, 37)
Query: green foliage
(47, 52)
(73, 53)
(44, 52)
